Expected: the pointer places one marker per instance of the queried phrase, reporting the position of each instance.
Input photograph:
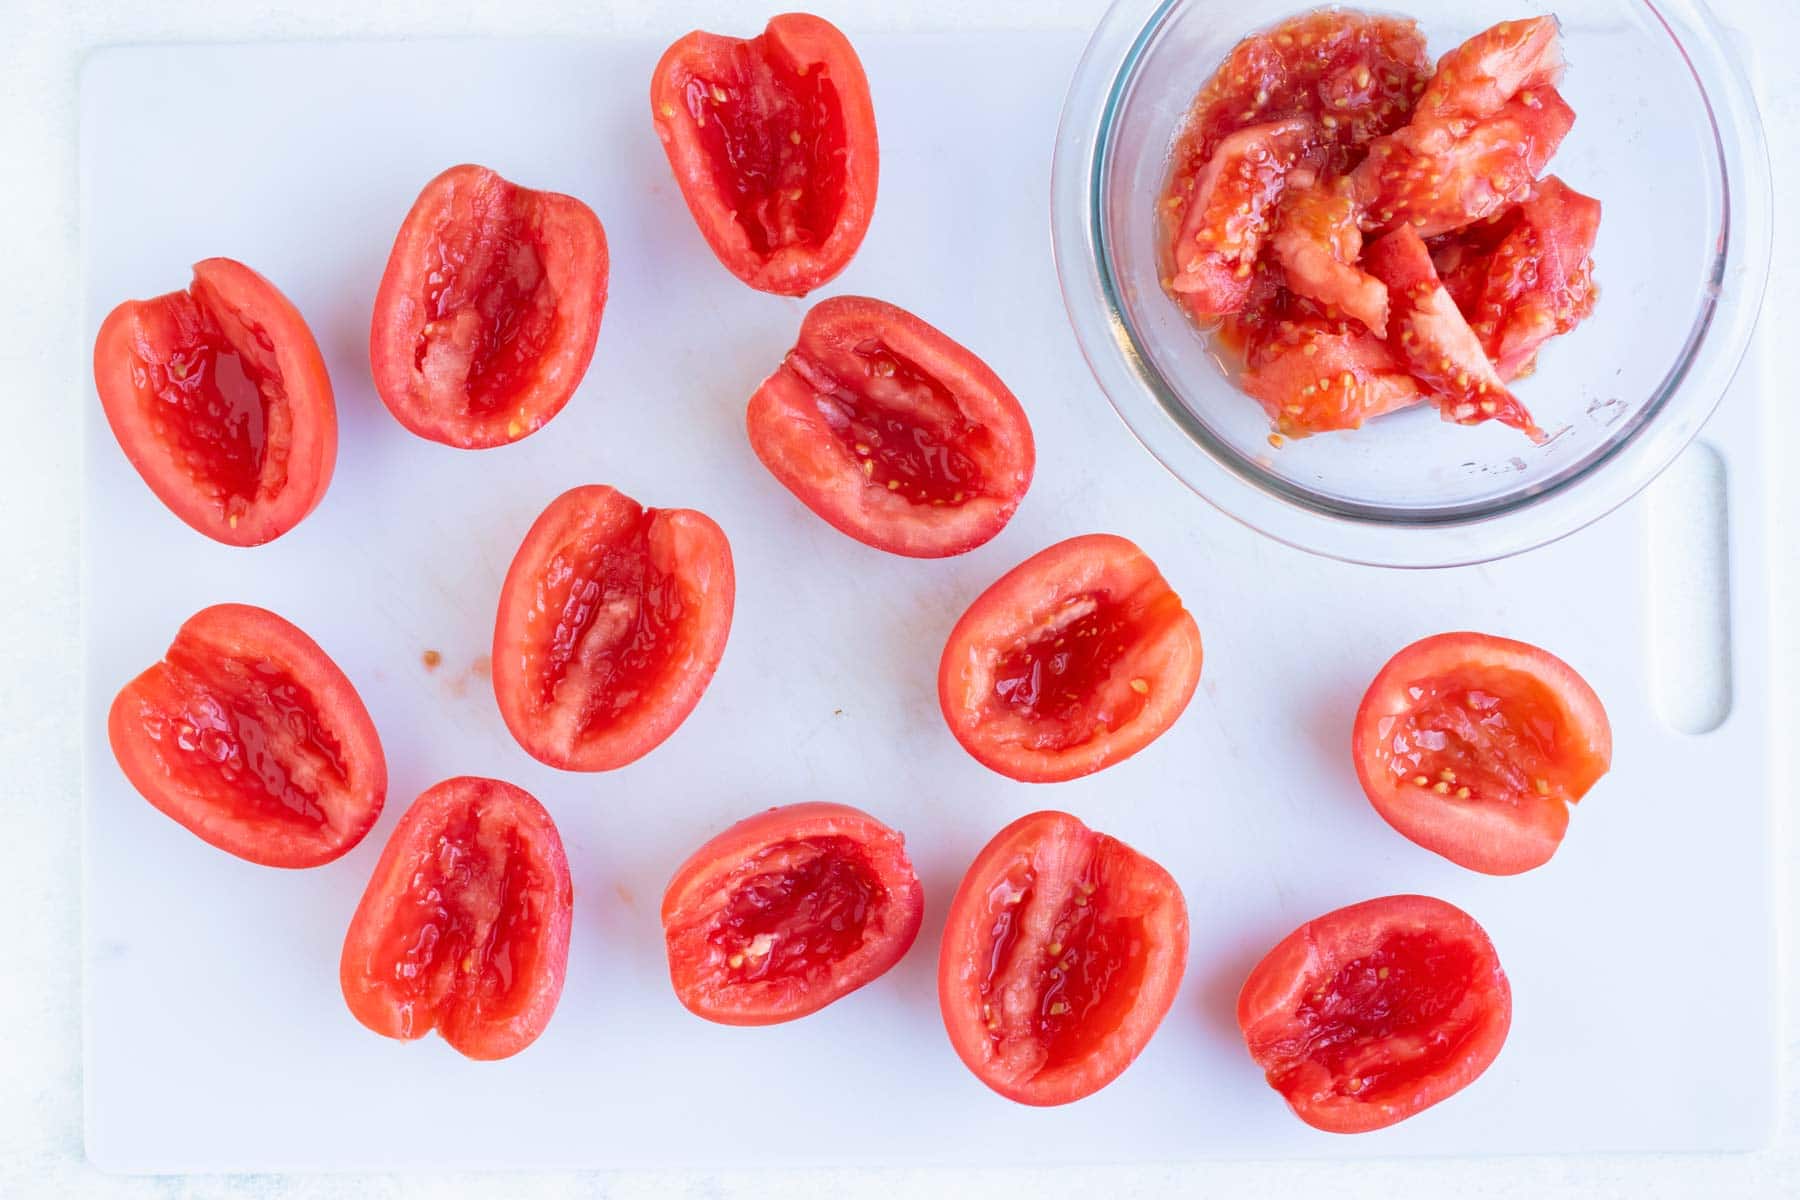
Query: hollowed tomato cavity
(1408, 992)
(1052, 677)
(489, 307)
(1482, 736)
(212, 389)
(807, 910)
(248, 725)
(774, 132)
(477, 901)
(897, 420)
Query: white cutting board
(1641, 957)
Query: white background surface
(43, 348)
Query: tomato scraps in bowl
(1332, 129)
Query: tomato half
(1371, 1014)
(1075, 659)
(892, 432)
(464, 927)
(219, 397)
(1475, 746)
(489, 309)
(772, 139)
(249, 735)
(612, 620)
(787, 911)
(1062, 953)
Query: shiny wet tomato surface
(1077, 658)
(772, 140)
(464, 926)
(892, 432)
(251, 737)
(788, 911)
(612, 620)
(1373, 1013)
(219, 397)
(1476, 746)
(1062, 953)
(489, 309)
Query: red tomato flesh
(219, 397)
(1075, 659)
(893, 433)
(787, 911)
(1312, 371)
(1371, 1014)
(1317, 243)
(612, 620)
(772, 139)
(464, 927)
(1063, 951)
(1475, 746)
(489, 309)
(1231, 213)
(251, 737)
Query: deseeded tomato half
(489, 309)
(787, 911)
(1475, 746)
(1371, 1014)
(772, 139)
(464, 927)
(892, 432)
(1078, 657)
(612, 619)
(1062, 953)
(251, 737)
(218, 396)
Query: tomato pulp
(787, 911)
(1075, 659)
(1475, 747)
(892, 432)
(772, 140)
(1373, 1013)
(612, 620)
(464, 927)
(489, 309)
(1062, 953)
(219, 397)
(251, 737)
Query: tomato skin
(797, 426)
(441, 859)
(1042, 874)
(1157, 646)
(227, 304)
(667, 572)
(798, 47)
(535, 260)
(706, 883)
(234, 678)
(1519, 828)
(1415, 1062)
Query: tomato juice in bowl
(1681, 260)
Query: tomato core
(1486, 736)
(809, 912)
(1053, 677)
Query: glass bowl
(1666, 136)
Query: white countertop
(42, 347)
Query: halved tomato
(612, 620)
(787, 911)
(1232, 212)
(1474, 746)
(219, 397)
(1075, 659)
(249, 735)
(892, 432)
(1430, 333)
(1371, 1014)
(1062, 953)
(772, 139)
(464, 927)
(489, 309)
(1317, 241)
